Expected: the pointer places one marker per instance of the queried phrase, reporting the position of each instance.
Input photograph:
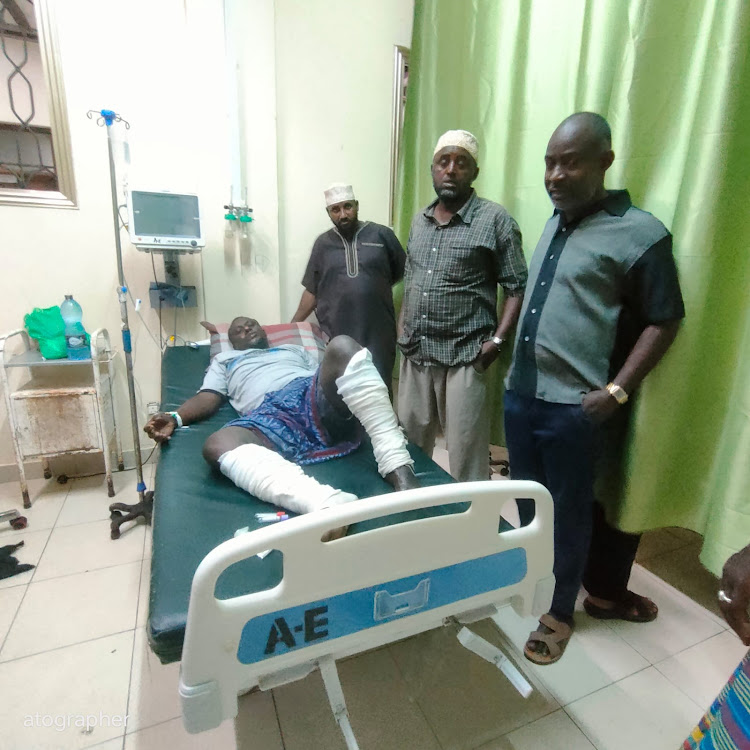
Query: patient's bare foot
(403, 478)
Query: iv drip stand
(108, 117)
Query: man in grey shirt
(602, 308)
(460, 248)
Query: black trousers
(611, 557)
(556, 445)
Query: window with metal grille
(26, 152)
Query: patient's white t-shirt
(246, 376)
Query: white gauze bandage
(366, 395)
(272, 478)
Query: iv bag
(120, 152)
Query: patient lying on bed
(293, 412)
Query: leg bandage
(271, 478)
(366, 395)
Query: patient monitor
(162, 221)
(166, 222)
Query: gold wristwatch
(617, 393)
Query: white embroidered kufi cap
(337, 193)
(461, 138)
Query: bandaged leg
(272, 478)
(366, 395)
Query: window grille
(26, 150)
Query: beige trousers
(452, 400)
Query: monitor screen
(165, 214)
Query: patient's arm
(307, 304)
(201, 406)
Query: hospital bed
(268, 606)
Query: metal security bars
(35, 155)
(26, 156)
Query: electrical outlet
(152, 407)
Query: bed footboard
(356, 593)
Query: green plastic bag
(48, 328)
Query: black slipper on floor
(632, 608)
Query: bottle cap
(68, 296)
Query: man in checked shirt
(460, 248)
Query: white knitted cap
(337, 193)
(461, 138)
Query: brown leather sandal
(556, 641)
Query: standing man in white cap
(460, 248)
(349, 280)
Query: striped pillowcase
(301, 334)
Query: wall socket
(152, 407)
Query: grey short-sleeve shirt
(581, 277)
(244, 377)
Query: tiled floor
(72, 637)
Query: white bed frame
(360, 592)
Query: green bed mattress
(196, 509)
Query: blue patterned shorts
(300, 423)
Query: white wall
(334, 76)
(314, 93)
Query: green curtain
(673, 79)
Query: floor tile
(256, 726)
(466, 700)
(10, 601)
(47, 498)
(75, 549)
(658, 542)
(143, 593)
(595, 657)
(88, 679)
(148, 540)
(683, 570)
(643, 711)
(703, 670)
(554, 732)
(382, 714)
(440, 457)
(88, 500)
(34, 543)
(172, 735)
(73, 609)
(681, 622)
(115, 744)
(154, 696)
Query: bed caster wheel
(47, 474)
(110, 488)
(121, 466)
(19, 523)
(26, 499)
(62, 479)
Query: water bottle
(75, 335)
